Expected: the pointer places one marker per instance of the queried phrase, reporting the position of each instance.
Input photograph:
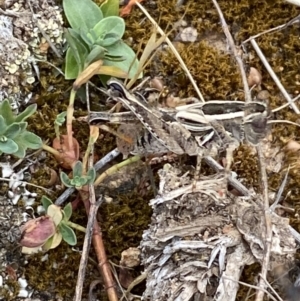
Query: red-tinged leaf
(125, 11)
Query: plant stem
(75, 226)
(103, 264)
(115, 168)
(70, 112)
(94, 134)
(50, 150)
(56, 128)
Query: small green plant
(60, 119)
(14, 138)
(96, 34)
(48, 231)
(79, 179)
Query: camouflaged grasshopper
(196, 129)
(200, 129)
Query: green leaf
(6, 112)
(79, 49)
(13, 130)
(72, 68)
(110, 30)
(46, 202)
(26, 113)
(89, 38)
(114, 58)
(68, 234)
(60, 118)
(83, 14)
(21, 152)
(8, 146)
(79, 35)
(120, 48)
(67, 211)
(29, 140)
(91, 176)
(110, 8)
(23, 126)
(65, 179)
(96, 54)
(77, 169)
(78, 182)
(3, 125)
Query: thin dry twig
(115, 168)
(98, 244)
(232, 181)
(236, 54)
(282, 26)
(269, 233)
(263, 174)
(286, 104)
(87, 194)
(271, 288)
(50, 191)
(86, 245)
(274, 76)
(254, 287)
(177, 55)
(280, 191)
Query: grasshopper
(198, 129)
(188, 129)
(160, 127)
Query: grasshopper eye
(256, 128)
(259, 124)
(116, 88)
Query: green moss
(58, 274)
(124, 221)
(13, 291)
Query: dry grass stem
(295, 20)
(263, 174)
(237, 56)
(256, 288)
(86, 245)
(177, 55)
(274, 76)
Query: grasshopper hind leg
(229, 144)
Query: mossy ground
(218, 77)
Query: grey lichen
(26, 33)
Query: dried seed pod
(157, 83)
(254, 77)
(292, 146)
(53, 177)
(37, 231)
(263, 95)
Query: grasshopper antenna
(283, 121)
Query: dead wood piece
(185, 249)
